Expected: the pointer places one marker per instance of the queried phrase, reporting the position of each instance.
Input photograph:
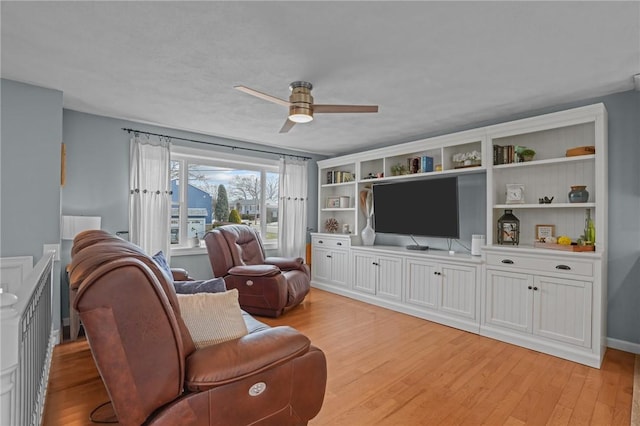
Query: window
(207, 187)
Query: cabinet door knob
(507, 261)
(329, 256)
(535, 289)
(320, 242)
(338, 243)
(530, 288)
(563, 267)
(374, 263)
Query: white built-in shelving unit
(547, 300)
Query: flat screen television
(427, 207)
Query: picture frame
(333, 202)
(515, 193)
(543, 231)
(509, 233)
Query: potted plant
(525, 154)
(398, 169)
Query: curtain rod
(216, 144)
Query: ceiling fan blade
(261, 95)
(287, 126)
(344, 108)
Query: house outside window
(207, 185)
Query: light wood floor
(386, 368)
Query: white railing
(27, 338)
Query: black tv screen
(426, 207)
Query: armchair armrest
(180, 274)
(285, 263)
(254, 271)
(237, 359)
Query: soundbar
(417, 247)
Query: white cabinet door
(339, 267)
(321, 264)
(562, 310)
(458, 290)
(380, 275)
(389, 277)
(423, 284)
(364, 271)
(509, 300)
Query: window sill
(190, 251)
(187, 251)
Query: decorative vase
(589, 229)
(368, 234)
(578, 194)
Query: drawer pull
(507, 261)
(374, 263)
(338, 243)
(329, 256)
(563, 267)
(320, 242)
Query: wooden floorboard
(387, 368)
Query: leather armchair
(151, 369)
(267, 285)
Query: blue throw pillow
(162, 263)
(214, 285)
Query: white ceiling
(430, 66)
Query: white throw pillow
(212, 317)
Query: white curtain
(150, 195)
(292, 237)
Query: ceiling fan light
(300, 118)
(300, 113)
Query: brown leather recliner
(151, 369)
(267, 285)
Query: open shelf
(546, 206)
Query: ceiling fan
(301, 106)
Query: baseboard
(623, 345)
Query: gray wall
(30, 172)
(98, 177)
(624, 217)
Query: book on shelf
(426, 164)
(339, 176)
(422, 164)
(504, 154)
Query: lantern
(508, 228)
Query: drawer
(541, 264)
(331, 242)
